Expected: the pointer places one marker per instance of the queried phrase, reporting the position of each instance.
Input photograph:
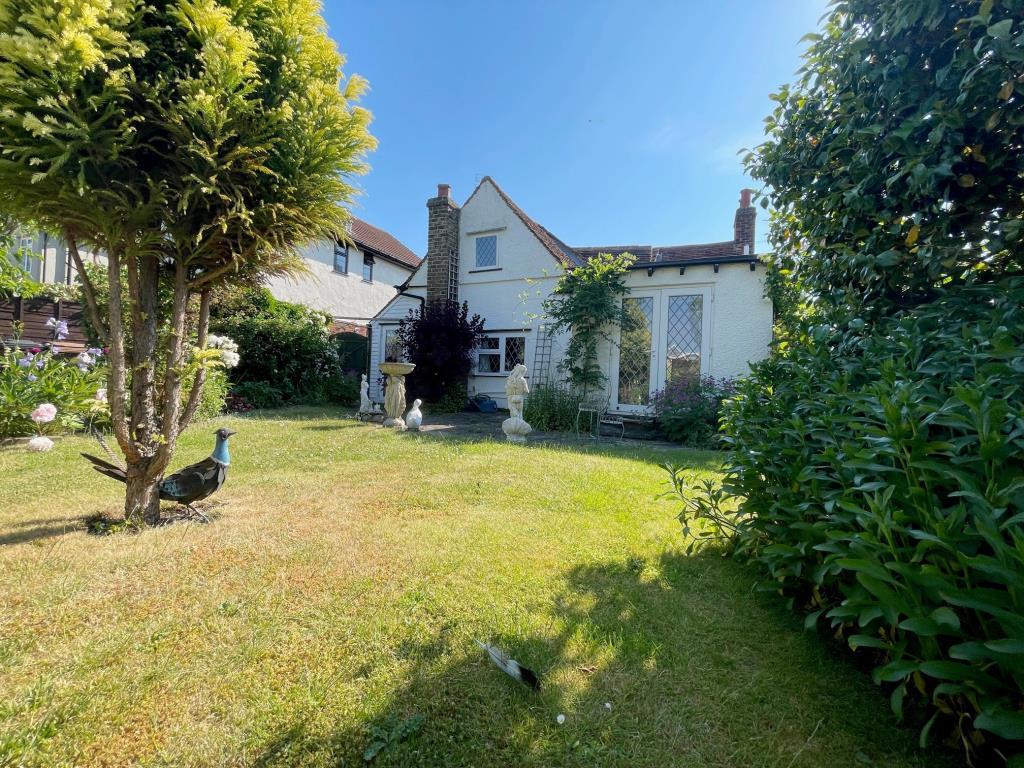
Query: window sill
(493, 375)
(339, 272)
(484, 269)
(368, 282)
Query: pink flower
(44, 414)
(40, 444)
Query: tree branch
(115, 354)
(172, 375)
(91, 303)
(195, 395)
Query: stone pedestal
(394, 393)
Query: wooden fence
(34, 315)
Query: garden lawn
(337, 594)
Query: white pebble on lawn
(560, 719)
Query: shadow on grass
(654, 663)
(28, 531)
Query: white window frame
(499, 351)
(497, 259)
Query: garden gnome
(414, 418)
(516, 389)
(365, 406)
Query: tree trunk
(142, 496)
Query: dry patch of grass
(337, 593)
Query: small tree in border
(587, 302)
(439, 338)
(192, 141)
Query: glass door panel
(635, 351)
(683, 338)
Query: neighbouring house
(45, 258)
(350, 281)
(702, 306)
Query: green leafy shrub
(258, 394)
(29, 378)
(884, 472)
(454, 400)
(552, 409)
(879, 448)
(214, 395)
(340, 389)
(687, 409)
(286, 353)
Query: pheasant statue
(189, 485)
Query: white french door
(669, 339)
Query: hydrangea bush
(32, 379)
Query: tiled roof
(562, 252)
(647, 254)
(381, 242)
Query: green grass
(338, 591)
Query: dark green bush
(286, 353)
(884, 472)
(258, 394)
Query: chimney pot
(745, 197)
(444, 190)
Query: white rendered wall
(343, 296)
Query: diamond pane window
(488, 363)
(515, 351)
(684, 337)
(487, 251)
(635, 352)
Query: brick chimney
(743, 228)
(442, 246)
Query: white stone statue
(414, 418)
(516, 389)
(365, 406)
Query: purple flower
(32, 377)
(25, 361)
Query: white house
(702, 305)
(353, 282)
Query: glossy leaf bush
(884, 475)
(878, 450)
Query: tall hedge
(879, 449)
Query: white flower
(85, 359)
(40, 444)
(44, 413)
(228, 349)
(560, 719)
(101, 395)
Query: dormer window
(487, 251)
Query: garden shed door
(670, 340)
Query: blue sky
(608, 122)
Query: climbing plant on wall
(587, 302)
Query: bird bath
(394, 392)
